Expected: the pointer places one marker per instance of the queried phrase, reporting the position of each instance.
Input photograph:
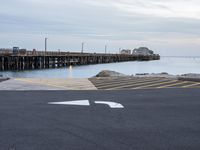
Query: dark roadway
(162, 119)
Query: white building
(126, 51)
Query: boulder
(190, 77)
(108, 73)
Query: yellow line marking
(128, 83)
(64, 87)
(194, 84)
(111, 81)
(156, 84)
(195, 87)
(181, 82)
(47, 84)
(143, 83)
(109, 78)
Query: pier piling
(44, 60)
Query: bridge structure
(30, 60)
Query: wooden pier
(40, 60)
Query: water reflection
(172, 65)
(70, 72)
(70, 67)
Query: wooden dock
(40, 60)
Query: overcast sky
(169, 27)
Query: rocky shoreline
(3, 79)
(185, 77)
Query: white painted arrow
(110, 104)
(78, 103)
(87, 103)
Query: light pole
(46, 45)
(82, 47)
(105, 49)
(120, 50)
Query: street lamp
(120, 50)
(82, 47)
(45, 52)
(46, 44)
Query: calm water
(172, 65)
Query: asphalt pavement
(154, 119)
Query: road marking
(145, 86)
(194, 84)
(169, 85)
(129, 82)
(78, 103)
(43, 84)
(110, 104)
(110, 81)
(87, 103)
(77, 84)
(143, 83)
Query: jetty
(29, 60)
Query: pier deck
(40, 60)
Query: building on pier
(142, 51)
(126, 51)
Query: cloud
(122, 23)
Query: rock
(184, 77)
(157, 75)
(141, 74)
(3, 79)
(164, 73)
(190, 77)
(108, 73)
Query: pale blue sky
(168, 27)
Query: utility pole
(119, 50)
(46, 45)
(45, 52)
(82, 47)
(105, 49)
